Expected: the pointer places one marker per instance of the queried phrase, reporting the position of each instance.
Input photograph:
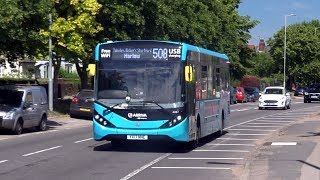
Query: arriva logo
(105, 53)
(137, 115)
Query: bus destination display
(141, 53)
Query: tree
(73, 33)
(20, 23)
(261, 65)
(303, 51)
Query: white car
(275, 97)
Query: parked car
(300, 91)
(233, 95)
(82, 104)
(252, 93)
(275, 97)
(241, 94)
(312, 93)
(23, 107)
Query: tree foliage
(303, 51)
(261, 65)
(20, 23)
(74, 30)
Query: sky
(271, 15)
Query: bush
(64, 74)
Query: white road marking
(187, 158)
(261, 126)
(250, 130)
(275, 121)
(238, 139)
(201, 168)
(219, 150)
(130, 175)
(284, 143)
(246, 122)
(267, 123)
(42, 132)
(83, 140)
(3, 161)
(247, 134)
(41, 151)
(3, 139)
(240, 110)
(211, 144)
(274, 117)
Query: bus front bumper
(180, 132)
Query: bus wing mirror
(91, 69)
(188, 73)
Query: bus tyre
(222, 124)
(116, 143)
(194, 144)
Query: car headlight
(9, 115)
(306, 93)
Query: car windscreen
(85, 94)
(11, 97)
(273, 91)
(314, 87)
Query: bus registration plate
(137, 137)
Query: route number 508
(159, 53)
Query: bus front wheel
(116, 143)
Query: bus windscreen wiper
(105, 112)
(162, 108)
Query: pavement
(293, 152)
(66, 122)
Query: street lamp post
(50, 82)
(285, 48)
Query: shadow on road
(311, 134)
(314, 166)
(155, 146)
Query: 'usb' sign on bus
(148, 51)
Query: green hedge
(64, 74)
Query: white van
(23, 107)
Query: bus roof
(185, 47)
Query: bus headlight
(102, 121)
(172, 122)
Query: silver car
(23, 107)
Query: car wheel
(260, 108)
(43, 124)
(305, 101)
(73, 116)
(285, 107)
(18, 129)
